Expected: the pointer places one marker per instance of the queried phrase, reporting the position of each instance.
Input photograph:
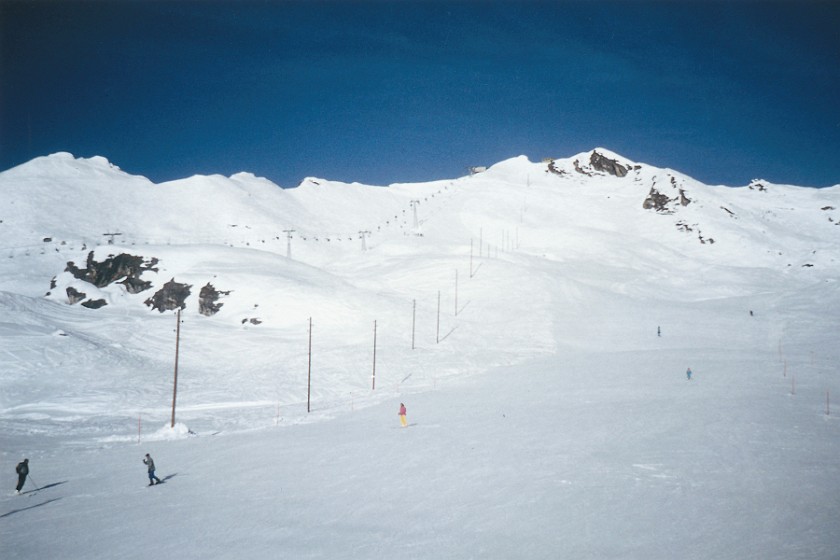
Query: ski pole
(37, 487)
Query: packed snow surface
(537, 320)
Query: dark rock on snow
(74, 295)
(123, 266)
(172, 295)
(600, 162)
(94, 303)
(208, 298)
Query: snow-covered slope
(515, 312)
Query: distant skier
(658, 331)
(403, 421)
(688, 374)
(151, 465)
(22, 471)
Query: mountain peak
(604, 152)
(67, 157)
(63, 163)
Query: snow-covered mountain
(574, 206)
(536, 317)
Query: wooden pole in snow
(309, 372)
(414, 204)
(288, 233)
(373, 382)
(437, 336)
(177, 346)
(471, 258)
(456, 292)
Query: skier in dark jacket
(22, 471)
(151, 464)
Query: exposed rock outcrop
(134, 285)
(662, 203)
(657, 201)
(208, 299)
(123, 266)
(580, 170)
(600, 162)
(127, 269)
(122, 269)
(74, 296)
(554, 169)
(172, 295)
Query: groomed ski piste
(547, 417)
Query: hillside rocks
(172, 295)
(122, 269)
(579, 169)
(74, 296)
(553, 168)
(208, 298)
(660, 202)
(600, 162)
(94, 303)
(123, 266)
(126, 270)
(656, 201)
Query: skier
(658, 331)
(688, 373)
(151, 464)
(403, 421)
(22, 471)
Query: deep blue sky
(382, 92)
